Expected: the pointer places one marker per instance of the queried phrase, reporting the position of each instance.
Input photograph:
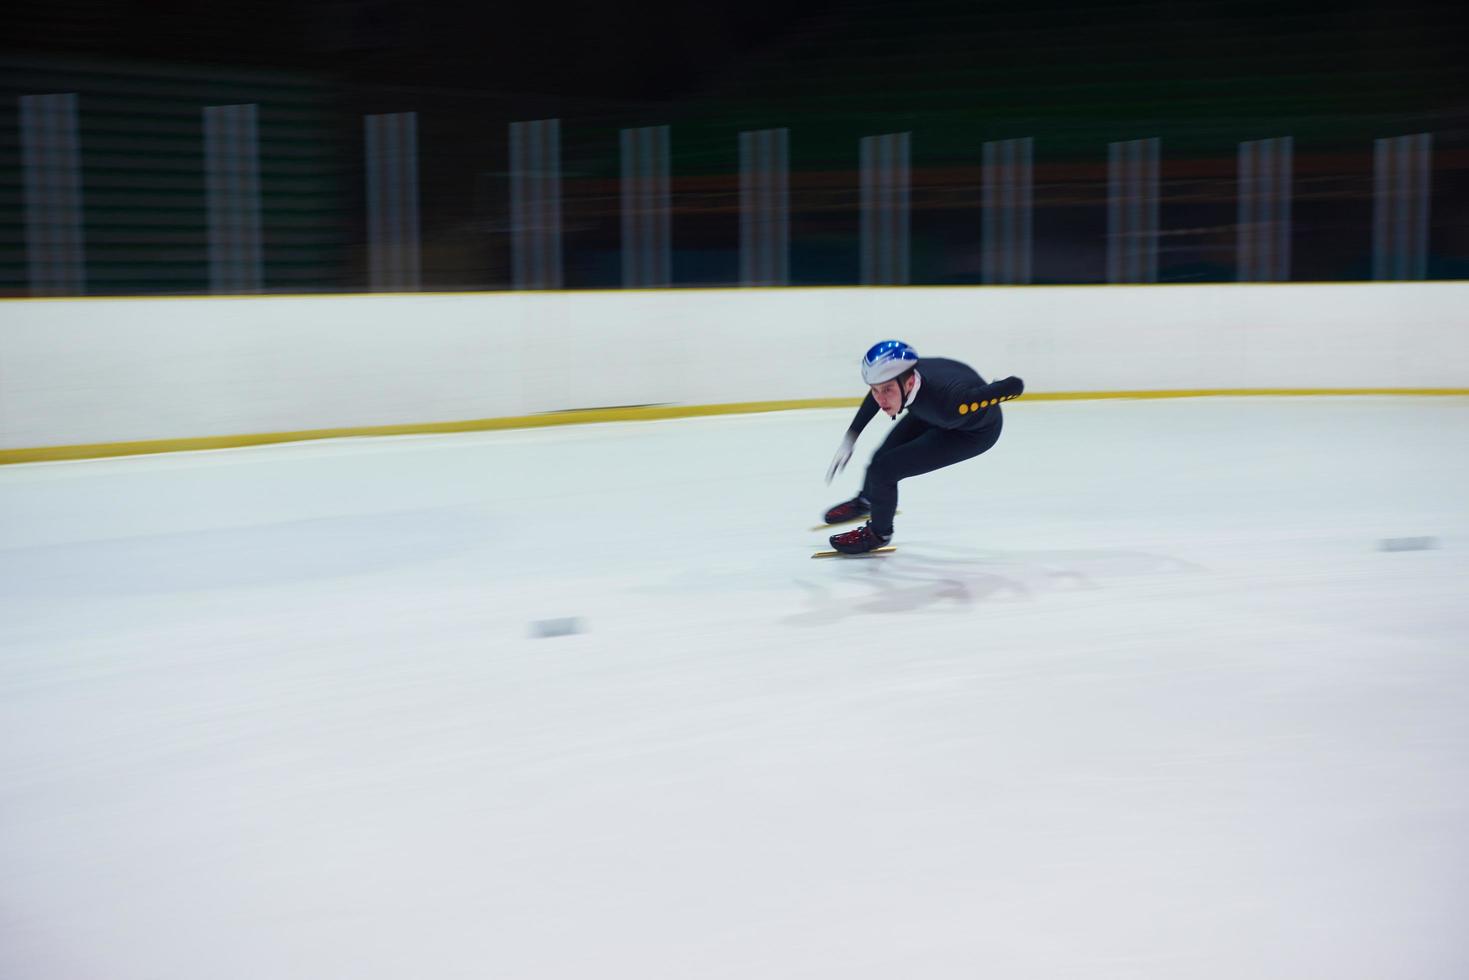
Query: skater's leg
(882, 500)
(927, 451)
(903, 432)
(906, 430)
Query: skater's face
(889, 397)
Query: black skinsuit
(953, 417)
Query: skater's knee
(880, 472)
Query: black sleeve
(865, 412)
(979, 396)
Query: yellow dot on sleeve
(974, 406)
(963, 409)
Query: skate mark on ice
(890, 589)
(917, 579)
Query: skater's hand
(844, 453)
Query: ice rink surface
(1142, 695)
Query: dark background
(1201, 76)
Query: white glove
(844, 453)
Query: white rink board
(96, 371)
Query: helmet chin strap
(908, 400)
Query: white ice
(1140, 696)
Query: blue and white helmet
(888, 360)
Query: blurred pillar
(51, 161)
(1263, 234)
(1132, 211)
(1006, 256)
(885, 183)
(535, 204)
(392, 202)
(646, 241)
(1401, 196)
(232, 185)
(765, 208)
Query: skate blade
(855, 520)
(886, 549)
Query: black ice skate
(848, 511)
(860, 541)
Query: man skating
(952, 415)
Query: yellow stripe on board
(634, 413)
(1057, 396)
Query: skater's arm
(976, 397)
(844, 452)
(865, 412)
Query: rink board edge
(634, 413)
